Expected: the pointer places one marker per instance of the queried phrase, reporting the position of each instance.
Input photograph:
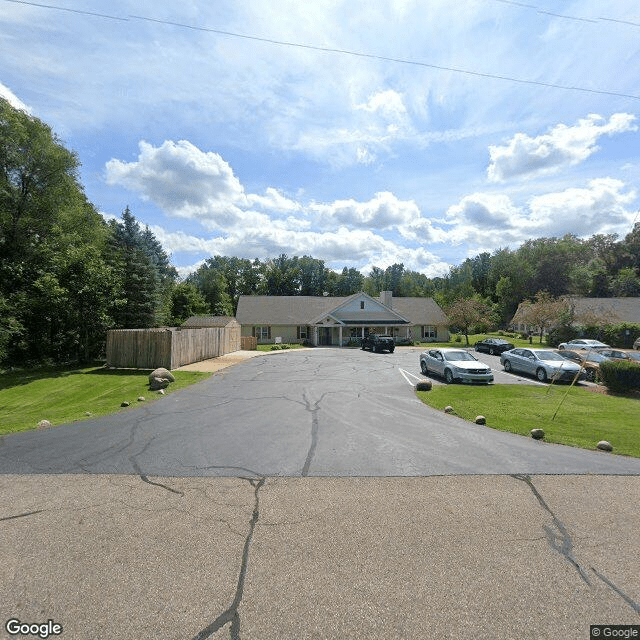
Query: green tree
(186, 301)
(467, 312)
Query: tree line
(67, 275)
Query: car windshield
(548, 355)
(456, 356)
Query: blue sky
(418, 152)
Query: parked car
(583, 343)
(589, 360)
(493, 345)
(378, 343)
(545, 364)
(455, 365)
(636, 344)
(615, 354)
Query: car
(614, 354)
(493, 345)
(583, 343)
(636, 344)
(544, 364)
(589, 360)
(455, 365)
(378, 343)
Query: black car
(494, 346)
(378, 343)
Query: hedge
(619, 375)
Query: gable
(361, 308)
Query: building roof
(302, 310)
(201, 322)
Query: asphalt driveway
(323, 412)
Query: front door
(325, 336)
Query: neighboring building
(326, 320)
(590, 311)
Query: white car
(583, 343)
(454, 365)
(544, 364)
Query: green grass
(268, 347)
(582, 420)
(63, 395)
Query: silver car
(545, 364)
(454, 365)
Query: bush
(619, 375)
(458, 338)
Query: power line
(348, 52)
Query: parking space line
(404, 374)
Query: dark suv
(378, 343)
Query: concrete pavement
(500, 557)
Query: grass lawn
(269, 347)
(62, 395)
(582, 420)
(476, 337)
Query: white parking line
(404, 374)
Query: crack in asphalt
(231, 614)
(144, 478)
(313, 409)
(557, 535)
(632, 603)
(22, 515)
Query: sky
(363, 134)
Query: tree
(466, 312)
(213, 288)
(545, 311)
(186, 301)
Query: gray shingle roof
(301, 310)
(199, 322)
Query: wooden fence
(169, 348)
(248, 343)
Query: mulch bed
(599, 388)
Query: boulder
(448, 409)
(126, 403)
(537, 434)
(603, 445)
(481, 420)
(44, 424)
(424, 385)
(141, 398)
(160, 379)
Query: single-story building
(589, 311)
(329, 320)
(205, 322)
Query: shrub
(619, 375)
(458, 338)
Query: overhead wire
(355, 53)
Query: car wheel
(448, 376)
(423, 368)
(392, 350)
(507, 366)
(541, 374)
(591, 375)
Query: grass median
(63, 395)
(582, 419)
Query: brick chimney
(386, 297)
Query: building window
(429, 332)
(362, 304)
(303, 333)
(262, 332)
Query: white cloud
(183, 181)
(562, 146)
(13, 99)
(383, 211)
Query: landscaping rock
(603, 445)
(537, 434)
(125, 403)
(448, 409)
(160, 379)
(44, 424)
(424, 385)
(481, 420)
(161, 392)
(141, 398)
